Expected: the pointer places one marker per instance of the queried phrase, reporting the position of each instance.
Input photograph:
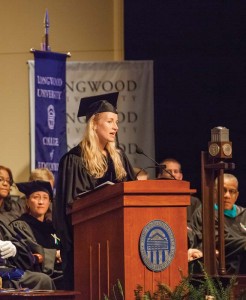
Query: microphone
(162, 167)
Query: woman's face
(4, 184)
(38, 203)
(106, 127)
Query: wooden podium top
(142, 193)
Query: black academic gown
(41, 238)
(23, 260)
(72, 180)
(194, 204)
(235, 238)
(12, 209)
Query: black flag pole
(45, 40)
(45, 43)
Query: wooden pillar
(213, 168)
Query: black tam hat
(30, 187)
(90, 106)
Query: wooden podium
(107, 225)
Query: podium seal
(157, 245)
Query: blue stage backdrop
(50, 109)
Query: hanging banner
(49, 128)
(134, 82)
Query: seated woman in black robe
(16, 261)
(10, 208)
(94, 161)
(38, 232)
(46, 175)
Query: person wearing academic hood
(95, 160)
(37, 231)
(16, 260)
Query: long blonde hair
(94, 160)
(42, 174)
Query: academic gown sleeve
(12, 209)
(235, 236)
(195, 226)
(49, 255)
(23, 258)
(72, 180)
(128, 167)
(235, 239)
(194, 204)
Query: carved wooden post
(213, 166)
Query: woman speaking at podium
(95, 160)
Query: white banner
(134, 82)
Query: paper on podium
(96, 188)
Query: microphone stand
(151, 167)
(162, 167)
(144, 169)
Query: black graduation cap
(92, 105)
(30, 187)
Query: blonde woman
(42, 174)
(95, 160)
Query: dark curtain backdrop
(198, 49)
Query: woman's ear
(94, 127)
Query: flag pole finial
(45, 43)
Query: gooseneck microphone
(162, 167)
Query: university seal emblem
(157, 245)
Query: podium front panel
(107, 227)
